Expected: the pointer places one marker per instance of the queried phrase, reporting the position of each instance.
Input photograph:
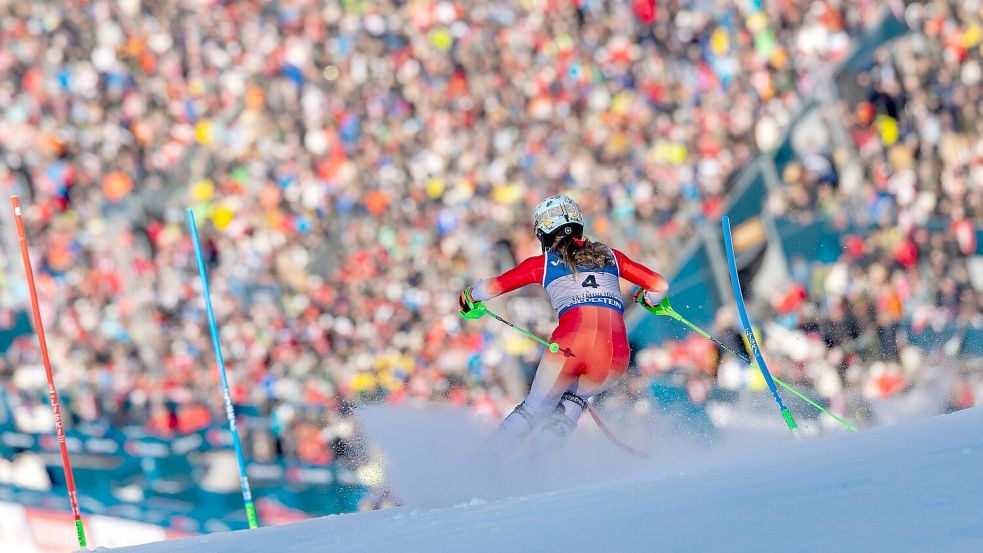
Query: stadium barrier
(36, 530)
(167, 482)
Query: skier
(582, 280)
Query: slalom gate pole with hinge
(46, 361)
(247, 495)
(748, 329)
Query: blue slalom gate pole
(749, 332)
(247, 495)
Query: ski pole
(554, 347)
(614, 439)
(665, 308)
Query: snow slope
(912, 487)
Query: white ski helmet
(557, 214)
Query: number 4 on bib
(590, 282)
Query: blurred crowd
(916, 186)
(906, 191)
(353, 165)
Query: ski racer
(582, 280)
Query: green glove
(471, 309)
(663, 307)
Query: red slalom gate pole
(52, 393)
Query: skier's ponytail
(577, 253)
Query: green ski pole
(665, 309)
(552, 346)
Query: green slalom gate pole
(665, 309)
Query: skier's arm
(528, 272)
(655, 285)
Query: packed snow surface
(917, 486)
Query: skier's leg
(519, 422)
(575, 401)
(561, 423)
(544, 395)
(573, 405)
(605, 363)
(556, 430)
(586, 345)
